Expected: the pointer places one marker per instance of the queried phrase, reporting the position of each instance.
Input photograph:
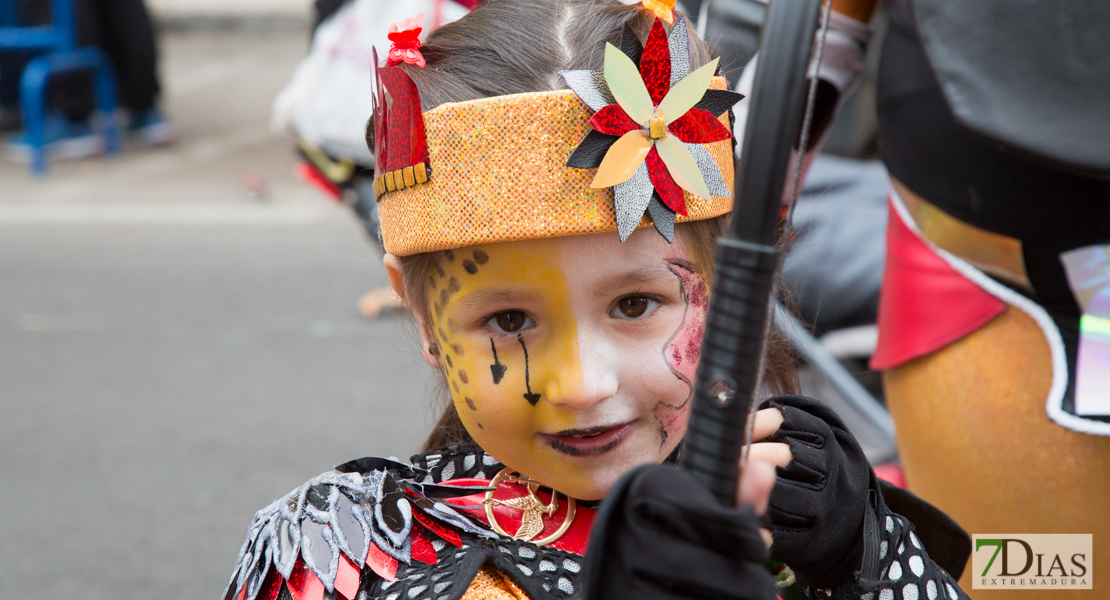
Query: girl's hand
(816, 509)
(757, 479)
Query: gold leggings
(976, 442)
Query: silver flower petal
(679, 43)
(631, 200)
(714, 180)
(590, 87)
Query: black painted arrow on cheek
(497, 369)
(529, 396)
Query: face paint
(683, 352)
(529, 396)
(588, 346)
(496, 369)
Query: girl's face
(571, 359)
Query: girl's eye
(633, 307)
(510, 321)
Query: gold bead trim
(395, 181)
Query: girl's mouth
(593, 441)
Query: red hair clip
(405, 42)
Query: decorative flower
(662, 9)
(653, 120)
(405, 42)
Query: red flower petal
(655, 63)
(664, 184)
(698, 126)
(613, 120)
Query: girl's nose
(590, 381)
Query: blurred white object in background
(328, 100)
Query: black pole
(747, 259)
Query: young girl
(556, 248)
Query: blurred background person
(327, 104)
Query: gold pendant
(531, 522)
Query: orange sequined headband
(645, 142)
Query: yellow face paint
(560, 353)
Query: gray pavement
(173, 354)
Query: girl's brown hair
(517, 46)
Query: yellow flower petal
(686, 93)
(627, 86)
(680, 163)
(623, 158)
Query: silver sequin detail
(526, 552)
(571, 566)
(469, 461)
(448, 471)
(709, 170)
(524, 569)
(565, 585)
(931, 590)
(679, 43)
(590, 87)
(547, 565)
(631, 199)
(895, 572)
(910, 592)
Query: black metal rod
(747, 260)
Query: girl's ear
(429, 348)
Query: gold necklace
(531, 522)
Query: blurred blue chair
(60, 53)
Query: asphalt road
(160, 383)
(175, 354)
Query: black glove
(817, 507)
(660, 535)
